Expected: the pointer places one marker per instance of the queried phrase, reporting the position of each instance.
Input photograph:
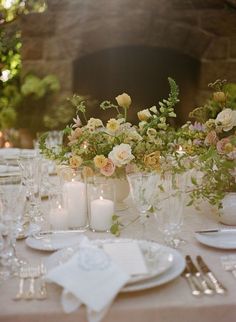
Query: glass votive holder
(74, 188)
(101, 206)
(58, 214)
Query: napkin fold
(89, 277)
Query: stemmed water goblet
(168, 204)
(30, 167)
(12, 199)
(142, 186)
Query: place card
(128, 256)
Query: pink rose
(109, 168)
(221, 145)
(211, 138)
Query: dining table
(170, 302)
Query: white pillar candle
(76, 202)
(58, 218)
(101, 214)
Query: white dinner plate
(157, 258)
(54, 242)
(175, 270)
(221, 239)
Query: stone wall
(70, 29)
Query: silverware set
(32, 285)
(201, 279)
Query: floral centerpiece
(211, 142)
(111, 148)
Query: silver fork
(229, 264)
(33, 273)
(22, 275)
(42, 292)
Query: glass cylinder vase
(101, 205)
(74, 187)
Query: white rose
(144, 115)
(226, 119)
(124, 100)
(121, 154)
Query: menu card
(128, 256)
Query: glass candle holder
(101, 206)
(74, 188)
(58, 213)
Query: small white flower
(77, 122)
(151, 133)
(121, 154)
(226, 119)
(153, 109)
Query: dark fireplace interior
(141, 72)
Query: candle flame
(7, 144)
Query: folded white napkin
(90, 277)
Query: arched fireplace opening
(139, 71)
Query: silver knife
(206, 231)
(42, 234)
(219, 288)
(195, 290)
(199, 278)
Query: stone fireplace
(102, 48)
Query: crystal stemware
(141, 188)
(168, 206)
(12, 196)
(30, 167)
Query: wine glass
(30, 167)
(12, 199)
(141, 188)
(168, 204)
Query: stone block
(233, 47)
(219, 22)
(38, 24)
(217, 49)
(32, 48)
(197, 43)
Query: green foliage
(11, 10)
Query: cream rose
(75, 161)
(94, 123)
(226, 119)
(124, 100)
(152, 160)
(121, 154)
(100, 161)
(113, 125)
(144, 115)
(109, 168)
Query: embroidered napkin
(89, 277)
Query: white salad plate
(224, 239)
(55, 241)
(160, 261)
